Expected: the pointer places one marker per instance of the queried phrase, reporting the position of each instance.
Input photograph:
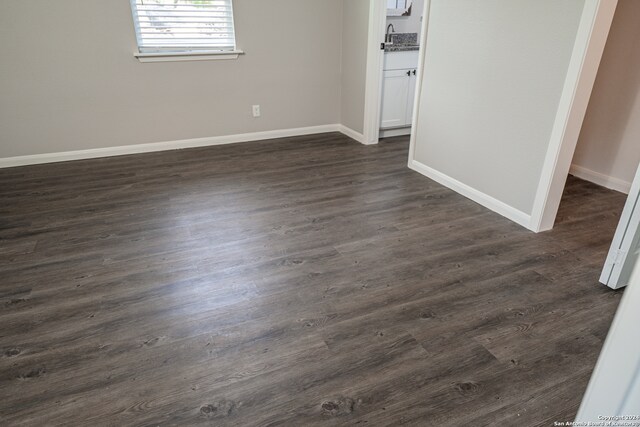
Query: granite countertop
(400, 48)
(402, 42)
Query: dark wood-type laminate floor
(303, 281)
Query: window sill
(203, 55)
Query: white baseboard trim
(65, 156)
(600, 179)
(353, 134)
(479, 197)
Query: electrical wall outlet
(256, 111)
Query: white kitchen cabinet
(394, 98)
(398, 89)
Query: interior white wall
(355, 32)
(608, 151)
(409, 24)
(493, 75)
(69, 81)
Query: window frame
(164, 54)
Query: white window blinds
(184, 25)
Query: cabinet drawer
(401, 60)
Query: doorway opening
(403, 27)
(397, 31)
(607, 153)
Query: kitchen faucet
(387, 38)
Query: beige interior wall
(493, 75)
(609, 142)
(355, 30)
(69, 81)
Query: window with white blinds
(184, 25)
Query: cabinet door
(394, 98)
(411, 94)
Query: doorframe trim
(374, 72)
(591, 38)
(623, 238)
(426, 16)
